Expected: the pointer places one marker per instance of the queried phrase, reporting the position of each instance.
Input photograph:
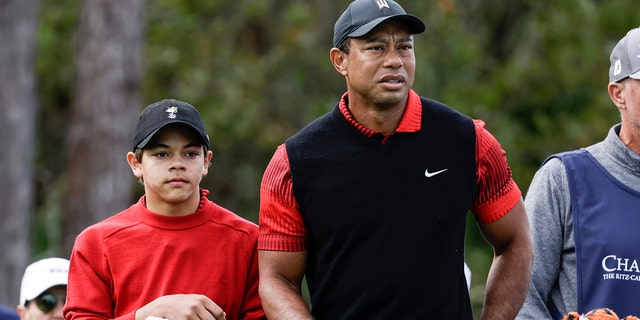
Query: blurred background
(75, 74)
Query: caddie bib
(606, 216)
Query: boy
(174, 254)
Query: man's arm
(548, 204)
(510, 273)
(280, 284)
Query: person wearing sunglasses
(44, 289)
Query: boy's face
(172, 166)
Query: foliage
(534, 71)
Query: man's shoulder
(7, 313)
(317, 124)
(555, 162)
(440, 113)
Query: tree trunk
(107, 100)
(18, 106)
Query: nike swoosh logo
(431, 174)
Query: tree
(103, 112)
(18, 105)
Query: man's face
(47, 305)
(380, 66)
(631, 97)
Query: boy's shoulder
(224, 216)
(129, 220)
(112, 224)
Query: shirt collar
(411, 118)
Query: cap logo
(172, 112)
(382, 4)
(617, 68)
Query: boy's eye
(161, 154)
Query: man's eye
(375, 47)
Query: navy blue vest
(386, 237)
(606, 216)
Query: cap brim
(635, 75)
(42, 286)
(148, 138)
(414, 23)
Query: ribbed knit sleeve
(497, 191)
(281, 225)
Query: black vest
(386, 235)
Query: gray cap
(162, 113)
(363, 15)
(625, 58)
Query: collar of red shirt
(411, 119)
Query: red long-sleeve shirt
(128, 260)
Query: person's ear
(339, 59)
(616, 90)
(136, 166)
(21, 311)
(207, 162)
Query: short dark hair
(345, 45)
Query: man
(44, 289)
(369, 201)
(583, 206)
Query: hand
(182, 307)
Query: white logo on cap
(172, 112)
(382, 4)
(617, 68)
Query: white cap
(42, 275)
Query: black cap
(363, 15)
(162, 113)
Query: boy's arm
(89, 292)
(182, 306)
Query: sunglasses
(46, 302)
